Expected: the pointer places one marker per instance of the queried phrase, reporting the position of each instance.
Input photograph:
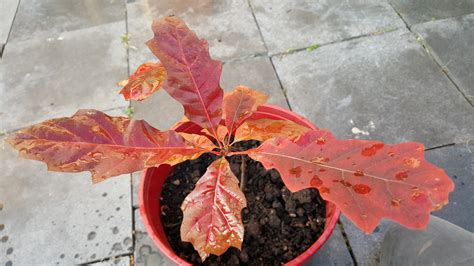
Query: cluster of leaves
(367, 180)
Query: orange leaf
(221, 131)
(239, 105)
(212, 221)
(263, 129)
(368, 180)
(146, 80)
(106, 146)
(193, 77)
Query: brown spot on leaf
(401, 175)
(321, 141)
(359, 173)
(320, 160)
(324, 190)
(412, 162)
(415, 195)
(315, 181)
(372, 150)
(361, 188)
(396, 202)
(296, 171)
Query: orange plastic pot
(152, 181)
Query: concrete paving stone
(458, 162)
(334, 252)
(49, 217)
(51, 18)
(451, 43)
(441, 243)
(298, 24)
(414, 12)
(162, 111)
(7, 14)
(227, 25)
(146, 253)
(120, 261)
(256, 73)
(383, 87)
(135, 188)
(52, 78)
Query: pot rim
(263, 111)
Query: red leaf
(263, 129)
(368, 180)
(193, 77)
(146, 80)
(106, 146)
(239, 105)
(212, 221)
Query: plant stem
(243, 165)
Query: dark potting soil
(279, 225)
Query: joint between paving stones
(128, 255)
(2, 49)
(399, 15)
(425, 46)
(271, 60)
(347, 242)
(433, 57)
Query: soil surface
(279, 225)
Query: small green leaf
(313, 47)
(390, 29)
(125, 38)
(129, 111)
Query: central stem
(242, 173)
(243, 165)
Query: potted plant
(231, 150)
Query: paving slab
(458, 162)
(162, 111)
(227, 25)
(51, 18)
(120, 261)
(135, 188)
(379, 248)
(442, 243)
(256, 73)
(146, 253)
(414, 12)
(334, 252)
(451, 43)
(298, 24)
(383, 87)
(7, 14)
(69, 218)
(42, 79)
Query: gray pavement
(394, 70)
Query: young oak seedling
(367, 180)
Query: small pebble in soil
(279, 225)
